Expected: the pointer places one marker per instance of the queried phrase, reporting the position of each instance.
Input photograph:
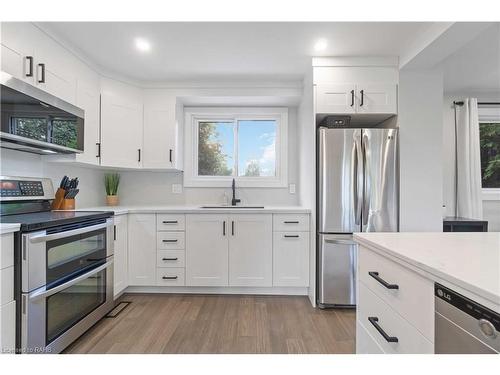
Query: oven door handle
(55, 236)
(44, 293)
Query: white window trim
(489, 115)
(195, 114)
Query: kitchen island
(397, 273)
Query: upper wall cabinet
(121, 125)
(18, 48)
(161, 131)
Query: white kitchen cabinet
(206, 250)
(336, 98)
(18, 49)
(377, 98)
(291, 259)
(161, 132)
(142, 249)
(121, 125)
(121, 254)
(250, 250)
(8, 327)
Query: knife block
(68, 204)
(59, 198)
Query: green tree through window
(490, 154)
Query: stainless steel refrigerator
(358, 191)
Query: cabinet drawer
(365, 343)
(170, 258)
(170, 240)
(7, 250)
(291, 222)
(8, 327)
(410, 340)
(167, 222)
(170, 276)
(6, 285)
(414, 298)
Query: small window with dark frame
(489, 134)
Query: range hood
(37, 122)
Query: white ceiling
(476, 66)
(214, 51)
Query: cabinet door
(377, 98)
(141, 249)
(87, 98)
(8, 327)
(159, 137)
(121, 125)
(18, 40)
(121, 254)
(250, 250)
(206, 250)
(335, 99)
(291, 259)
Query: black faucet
(234, 201)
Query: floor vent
(118, 309)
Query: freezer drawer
(337, 270)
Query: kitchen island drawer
(391, 332)
(170, 258)
(365, 343)
(170, 277)
(170, 222)
(291, 223)
(170, 240)
(410, 294)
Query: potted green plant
(111, 182)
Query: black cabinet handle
(98, 144)
(170, 277)
(139, 151)
(29, 73)
(232, 228)
(290, 222)
(362, 98)
(169, 240)
(382, 281)
(224, 228)
(170, 155)
(170, 222)
(291, 236)
(42, 79)
(114, 232)
(352, 98)
(374, 321)
(169, 259)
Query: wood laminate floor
(166, 323)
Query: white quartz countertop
(195, 209)
(468, 260)
(9, 227)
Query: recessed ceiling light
(320, 45)
(142, 45)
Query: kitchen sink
(231, 207)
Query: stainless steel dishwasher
(463, 326)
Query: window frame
(489, 115)
(195, 115)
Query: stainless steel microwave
(36, 121)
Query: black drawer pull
(291, 222)
(165, 259)
(291, 236)
(170, 277)
(169, 240)
(382, 281)
(374, 321)
(170, 222)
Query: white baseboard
(289, 291)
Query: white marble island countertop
(470, 260)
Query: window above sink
(247, 144)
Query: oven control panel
(18, 188)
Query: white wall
(421, 143)
(491, 208)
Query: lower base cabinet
(120, 269)
(142, 249)
(8, 327)
(291, 259)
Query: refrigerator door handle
(340, 242)
(357, 180)
(366, 181)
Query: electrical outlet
(176, 189)
(291, 188)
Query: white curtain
(468, 169)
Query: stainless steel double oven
(67, 283)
